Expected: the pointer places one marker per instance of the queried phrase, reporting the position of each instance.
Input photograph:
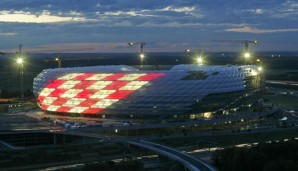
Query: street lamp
(20, 61)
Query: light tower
(142, 55)
(20, 61)
(247, 53)
(58, 61)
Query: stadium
(182, 91)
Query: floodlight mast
(142, 55)
(142, 44)
(246, 54)
(246, 42)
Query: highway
(187, 160)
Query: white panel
(69, 76)
(46, 91)
(53, 108)
(99, 85)
(131, 77)
(69, 84)
(102, 94)
(77, 109)
(98, 77)
(48, 100)
(71, 93)
(104, 103)
(74, 102)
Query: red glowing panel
(40, 99)
(84, 84)
(116, 85)
(57, 92)
(83, 76)
(64, 109)
(75, 97)
(60, 101)
(44, 107)
(150, 77)
(84, 94)
(92, 110)
(113, 77)
(89, 102)
(120, 94)
(55, 83)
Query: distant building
(183, 90)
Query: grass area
(285, 101)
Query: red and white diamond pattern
(90, 93)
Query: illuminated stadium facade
(183, 90)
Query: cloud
(45, 22)
(178, 9)
(159, 12)
(287, 9)
(259, 11)
(43, 17)
(171, 24)
(78, 47)
(129, 13)
(255, 30)
(8, 34)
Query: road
(187, 160)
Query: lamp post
(20, 62)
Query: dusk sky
(165, 25)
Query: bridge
(189, 162)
